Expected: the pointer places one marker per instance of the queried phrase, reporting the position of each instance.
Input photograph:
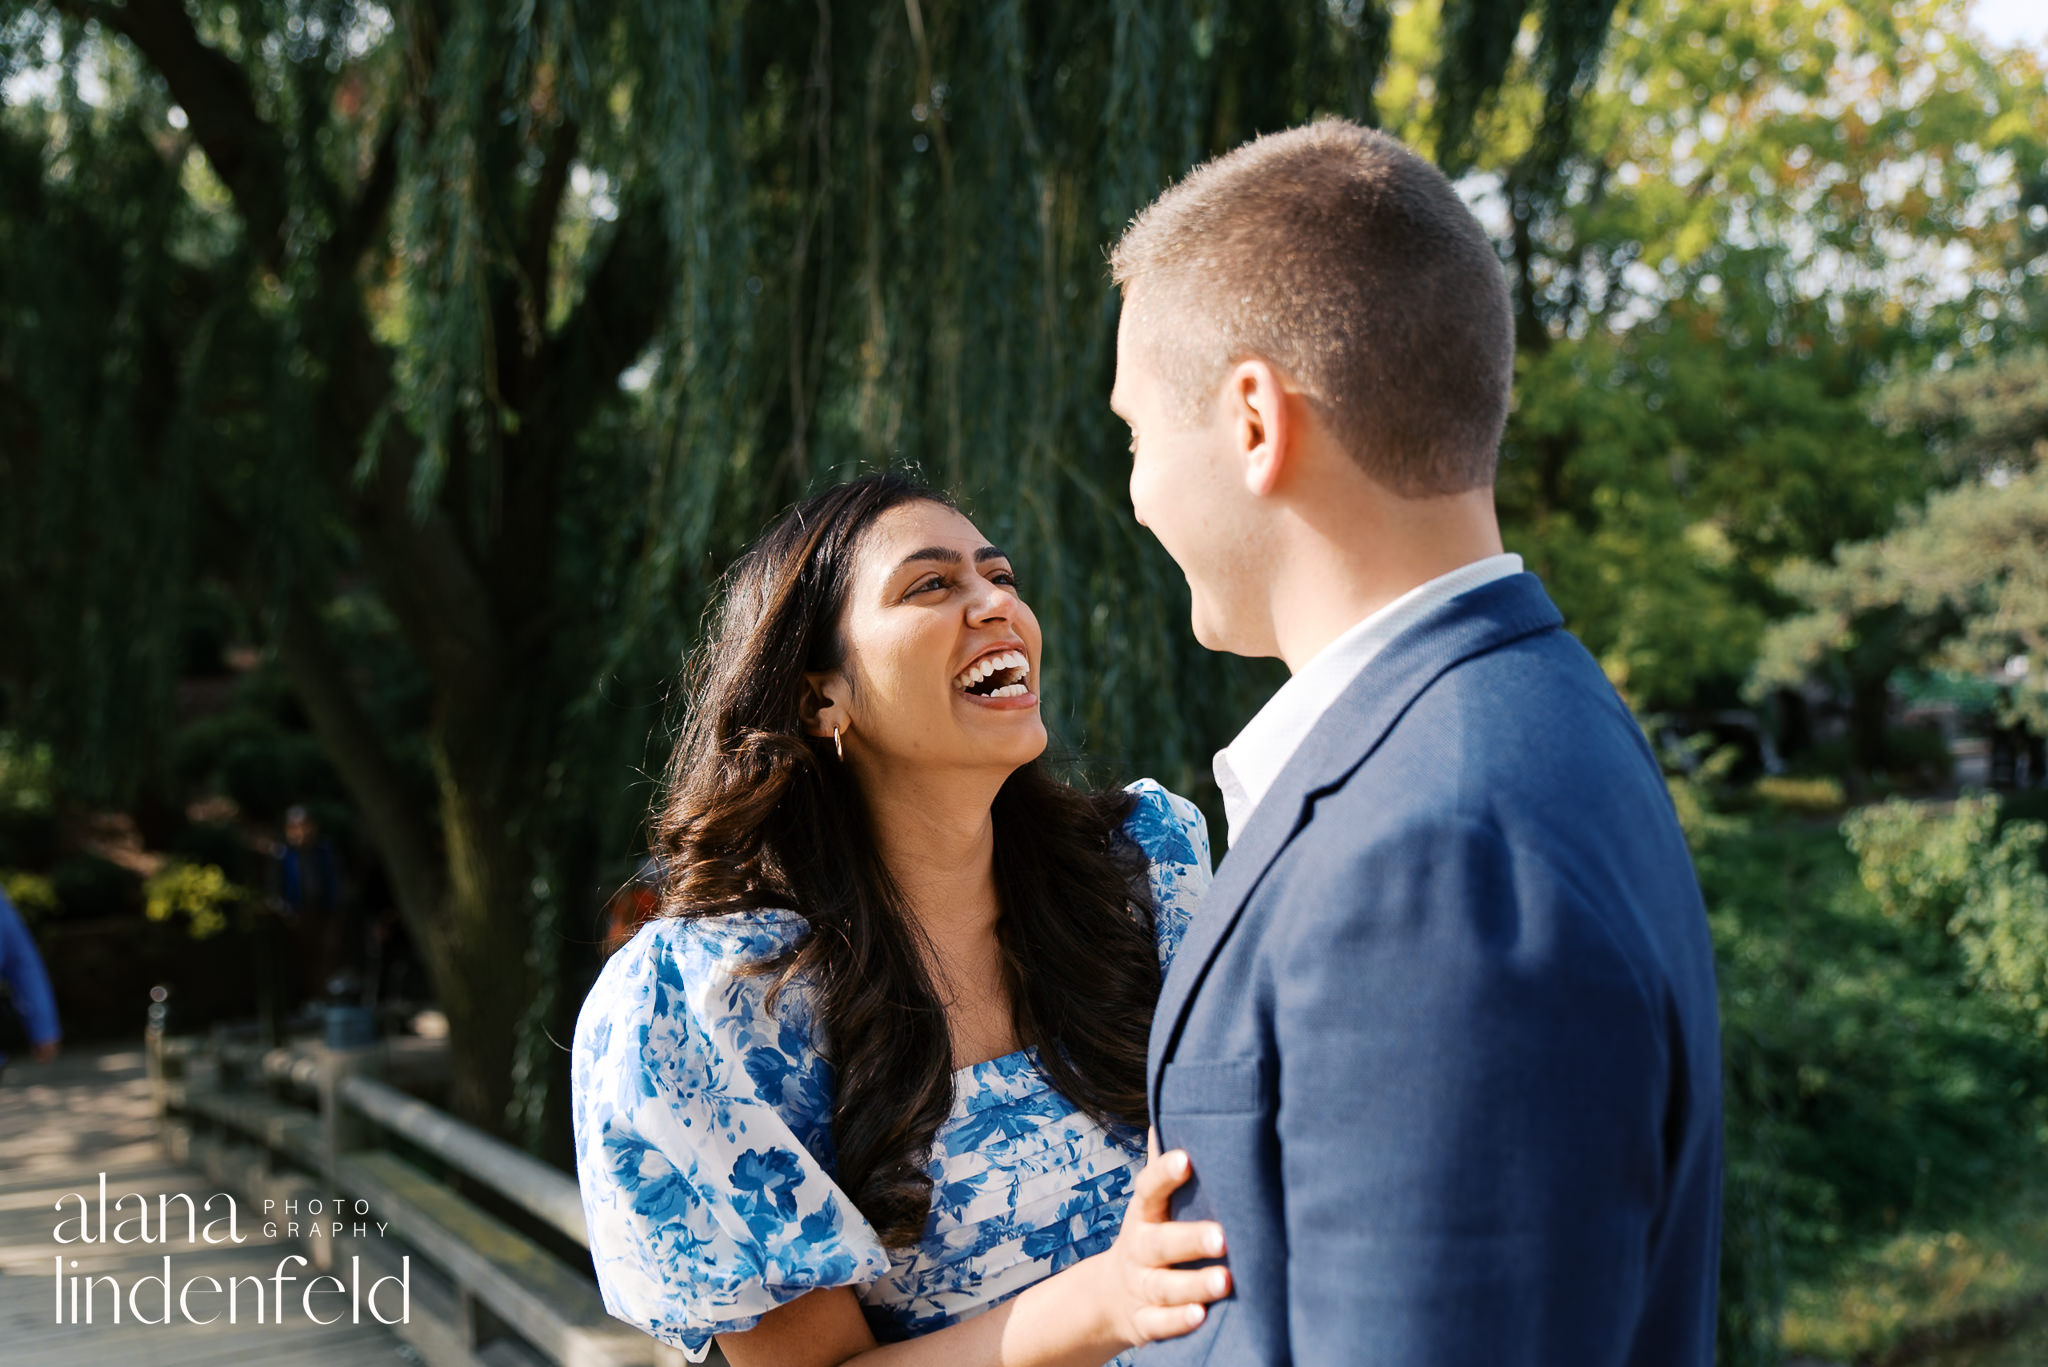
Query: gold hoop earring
(837, 747)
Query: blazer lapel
(1470, 624)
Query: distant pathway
(60, 1127)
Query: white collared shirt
(1246, 767)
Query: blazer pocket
(1212, 1086)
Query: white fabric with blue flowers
(704, 1145)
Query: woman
(880, 1066)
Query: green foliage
(199, 895)
(25, 776)
(2003, 926)
(249, 757)
(89, 887)
(33, 895)
(28, 839)
(1732, 259)
(1926, 1282)
(1693, 774)
(1976, 880)
(448, 352)
(1815, 796)
(1872, 1087)
(1919, 862)
(216, 843)
(1958, 584)
(458, 347)
(28, 827)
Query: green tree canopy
(459, 346)
(462, 344)
(1760, 214)
(1962, 583)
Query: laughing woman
(872, 1089)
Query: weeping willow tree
(482, 335)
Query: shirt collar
(1247, 767)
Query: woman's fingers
(1156, 1322)
(1167, 1241)
(1170, 1299)
(1170, 1286)
(1179, 1302)
(1157, 1181)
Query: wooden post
(343, 1128)
(153, 1051)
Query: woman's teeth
(1010, 661)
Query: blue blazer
(1442, 1039)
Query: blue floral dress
(704, 1140)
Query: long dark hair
(757, 814)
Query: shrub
(262, 765)
(219, 843)
(28, 827)
(1869, 1090)
(198, 894)
(1978, 881)
(25, 775)
(2002, 925)
(28, 839)
(1916, 858)
(90, 887)
(33, 895)
(1694, 771)
(1812, 796)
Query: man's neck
(1341, 561)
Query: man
(21, 969)
(309, 889)
(1441, 1042)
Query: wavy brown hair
(756, 814)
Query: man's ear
(823, 706)
(1261, 422)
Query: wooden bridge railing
(318, 1137)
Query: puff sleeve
(1175, 838)
(702, 1127)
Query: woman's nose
(994, 603)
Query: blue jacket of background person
(302, 893)
(1442, 1040)
(21, 968)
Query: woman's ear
(823, 706)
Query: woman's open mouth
(1004, 674)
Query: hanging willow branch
(519, 320)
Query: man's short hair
(1351, 265)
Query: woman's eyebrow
(946, 555)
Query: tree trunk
(478, 935)
(464, 897)
(1795, 722)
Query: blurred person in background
(29, 1013)
(309, 891)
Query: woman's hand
(1148, 1297)
(1130, 1294)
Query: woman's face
(942, 655)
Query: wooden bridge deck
(62, 1125)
